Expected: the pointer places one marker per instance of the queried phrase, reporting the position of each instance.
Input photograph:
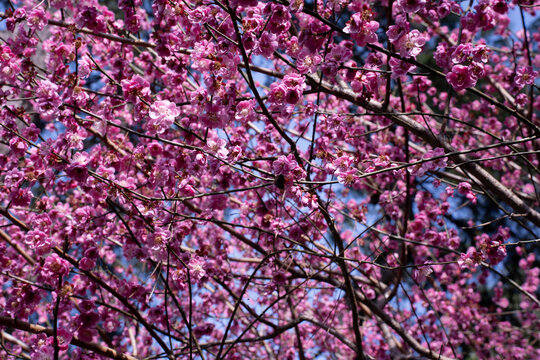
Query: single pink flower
(525, 75)
(162, 114)
(460, 78)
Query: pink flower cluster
(422, 168)
(468, 65)
(408, 42)
(361, 27)
(465, 188)
(488, 248)
(201, 179)
(486, 15)
(287, 167)
(9, 66)
(287, 92)
(411, 6)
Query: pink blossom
(422, 272)
(462, 53)
(162, 115)
(55, 266)
(410, 45)
(48, 100)
(525, 75)
(460, 78)
(364, 32)
(485, 17)
(329, 68)
(196, 268)
(521, 99)
(312, 37)
(199, 14)
(253, 21)
(463, 188)
(361, 27)
(155, 149)
(158, 242)
(292, 96)
(41, 222)
(283, 165)
(37, 19)
(308, 63)
(9, 66)
(77, 168)
(466, 189)
(411, 6)
(13, 178)
(64, 338)
(246, 3)
(422, 168)
(398, 30)
(18, 15)
(280, 19)
(39, 241)
(217, 146)
(244, 110)
(87, 334)
(294, 81)
(367, 80)
(249, 40)
(442, 56)
(437, 152)
(20, 197)
(91, 18)
(84, 68)
(500, 6)
(267, 44)
(296, 5)
(341, 53)
(86, 264)
(136, 87)
(481, 53)
(470, 259)
(347, 177)
(476, 70)
(44, 352)
(277, 93)
(400, 68)
(214, 116)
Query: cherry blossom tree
(274, 179)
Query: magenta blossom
(398, 30)
(53, 268)
(525, 75)
(283, 165)
(77, 168)
(253, 179)
(135, 87)
(411, 6)
(460, 78)
(362, 28)
(20, 197)
(400, 68)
